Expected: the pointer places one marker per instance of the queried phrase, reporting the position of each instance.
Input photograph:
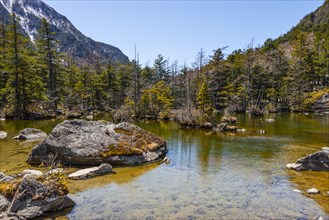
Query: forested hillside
(285, 74)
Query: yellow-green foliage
(312, 97)
(203, 98)
(157, 100)
(8, 189)
(122, 131)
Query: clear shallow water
(210, 176)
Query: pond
(211, 175)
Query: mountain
(317, 21)
(72, 41)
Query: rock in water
(318, 161)
(3, 134)
(80, 142)
(312, 191)
(32, 173)
(33, 199)
(30, 133)
(104, 168)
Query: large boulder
(30, 134)
(318, 161)
(80, 142)
(322, 105)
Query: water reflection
(210, 176)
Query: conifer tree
(203, 99)
(24, 86)
(49, 61)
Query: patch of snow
(8, 4)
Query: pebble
(296, 190)
(312, 191)
(261, 132)
(325, 148)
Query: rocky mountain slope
(72, 41)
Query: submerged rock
(3, 134)
(104, 168)
(80, 142)
(30, 133)
(318, 161)
(269, 120)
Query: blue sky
(178, 29)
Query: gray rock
(5, 178)
(31, 173)
(90, 117)
(293, 166)
(261, 131)
(322, 105)
(30, 212)
(318, 161)
(3, 134)
(241, 130)
(312, 191)
(33, 199)
(104, 168)
(4, 203)
(325, 148)
(91, 143)
(30, 133)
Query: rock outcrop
(30, 134)
(33, 198)
(88, 173)
(80, 142)
(318, 161)
(322, 105)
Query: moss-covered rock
(80, 142)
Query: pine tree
(24, 86)
(203, 99)
(49, 61)
(160, 68)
